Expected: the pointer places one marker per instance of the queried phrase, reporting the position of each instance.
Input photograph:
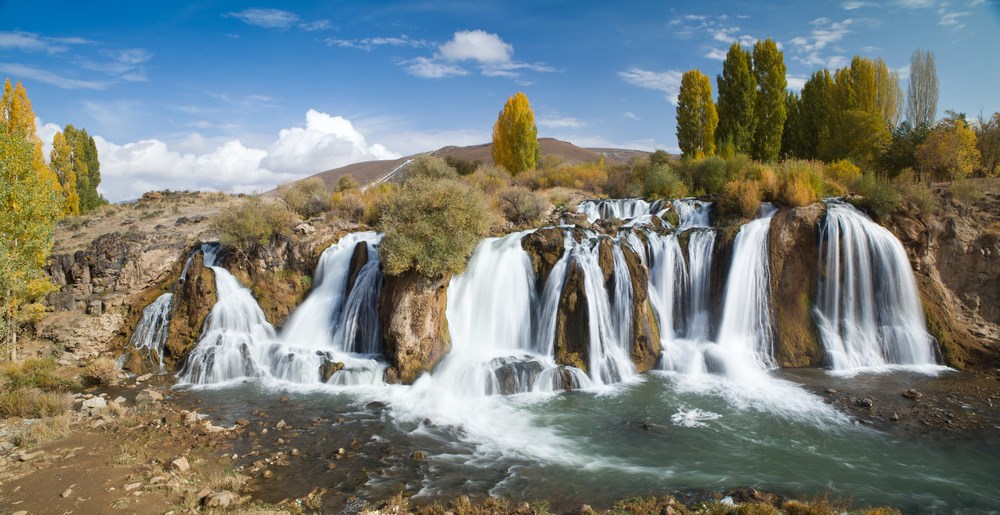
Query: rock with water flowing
(414, 324)
(194, 297)
(867, 303)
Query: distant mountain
(368, 172)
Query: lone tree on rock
(515, 136)
(696, 115)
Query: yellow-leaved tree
(696, 116)
(29, 209)
(61, 161)
(515, 136)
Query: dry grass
(102, 371)
(741, 198)
(41, 432)
(31, 402)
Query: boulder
(572, 338)
(359, 258)
(545, 247)
(95, 403)
(148, 396)
(414, 324)
(180, 464)
(645, 345)
(328, 368)
(193, 300)
(794, 254)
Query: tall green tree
(737, 98)
(515, 136)
(888, 94)
(793, 137)
(859, 129)
(769, 70)
(697, 118)
(61, 162)
(922, 95)
(87, 167)
(988, 141)
(816, 108)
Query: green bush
(427, 166)
(347, 183)
(308, 198)
(876, 196)
(965, 190)
(490, 179)
(709, 174)
(463, 166)
(521, 206)
(623, 181)
(253, 224)
(432, 226)
(915, 191)
(661, 181)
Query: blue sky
(240, 96)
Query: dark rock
(572, 321)
(863, 403)
(414, 325)
(193, 300)
(912, 394)
(328, 368)
(358, 260)
(545, 247)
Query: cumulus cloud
(668, 81)
(795, 82)
(488, 51)
(324, 142)
(557, 121)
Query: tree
(29, 209)
(888, 94)
(816, 109)
(769, 70)
(61, 162)
(793, 137)
(988, 141)
(19, 118)
(696, 116)
(858, 128)
(515, 136)
(901, 152)
(87, 168)
(922, 95)
(949, 152)
(737, 96)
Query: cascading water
(154, 327)
(622, 209)
(867, 303)
(692, 213)
(315, 347)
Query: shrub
(965, 190)
(252, 225)
(709, 174)
(102, 371)
(36, 373)
(915, 191)
(42, 432)
(623, 181)
(362, 207)
(489, 179)
(430, 167)
(801, 182)
(741, 198)
(463, 166)
(522, 206)
(877, 197)
(432, 226)
(32, 402)
(308, 198)
(347, 183)
(661, 181)
(844, 172)
(586, 176)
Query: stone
(864, 403)
(181, 464)
(193, 299)
(418, 456)
(572, 321)
(120, 400)
(267, 474)
(242, 422)
(143, 378)
(132, 486)
(583, 509)
(95, 403)
(328, 368)
(295, 452)
(280, 424)
(148, 396)
(66, 493)
(414, 324)
(221, 499)
(912, 394)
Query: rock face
(794, 248)
(956, 258)
(414, 324)
(645, 345)
(193, 300)
(572, 321)
(545, 246)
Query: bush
(252, 225)
(102, 371)
(965, 190)
(432, 227)
(308, 198)
(362, 207)
(877, 197)
(801, 182)
(661, 181)
(586, 176)
(489, 179)
(844, 172)
(427, 166)
(522, 206)
(463, 166)
(32, 402)
(34, 373)
(741, 198)
(347, 183)
(623, 181)
(915, 191)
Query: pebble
(66, 493)
(295, 452)
(267, 474)
(280, 424)
(132, 486)
(181, 464)
(120, 400)
(912, 394)
(418, 456)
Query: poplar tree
(697, 118)
(515, 136)
(737, 96)
(816, 108)
(769, 71)
(922, 95)
(61, 161)
(87, 168)
(19, 119)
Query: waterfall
(318, 343)
(692, 213)
(492, 312)
(867, 302)
(154, 327)
(746, 333)
(668, 278)
(622, 209)
(701, 244)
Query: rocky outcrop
(414, 324)
(794, 254)
(645, 344)
(193, 300)
(572, 338)
(956, 258)
(545, 247)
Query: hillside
(370, 171)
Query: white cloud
(952, 19)
(415, 142)
(277, 19)
(20, 72)
(477, 45)
(915, 4)
(47, 132)
(795, 82)
(31, 42)
(855, 5)
(127, 63)
(324, 142)
(716, 53)
(368, 44)
(427, 68)
(557, 121)
(629, 115)
(668, 81)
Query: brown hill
(368, 172)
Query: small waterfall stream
(150, 335)
(867, 303)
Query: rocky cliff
(414, 324)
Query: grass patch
(41, 432)
(102, 371)
(36, 372)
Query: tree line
(854, 113)
(34, 196)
